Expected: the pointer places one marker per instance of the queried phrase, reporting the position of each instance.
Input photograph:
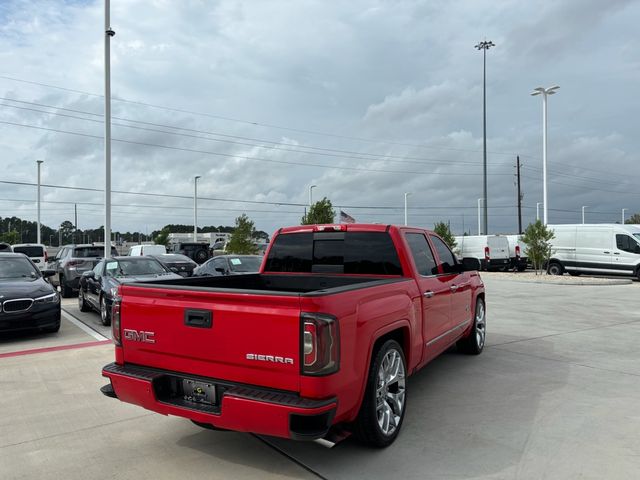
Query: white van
(35, 251)
(491, 250)
(517, 252)
(597, 248)
(140, 250)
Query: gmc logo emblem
(139, 336)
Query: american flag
(346, 218)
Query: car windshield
(245, 264)
(637, 236)
(174, 257)
(30, 251)
(92, 251)
(127, 268)
(17, 268)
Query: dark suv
(71, 262)
(198, 252)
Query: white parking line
(83, 327)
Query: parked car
(99, 286)
(491, 250)
(27, 300)
(229, 265)
(5, 247)
(139, 250)
(324, 336)
(35, 251)
(180, 264)
(611, 249)
(71, 262)
(198, 252)
(517, 252)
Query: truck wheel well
(400, 335)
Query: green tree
(633, 219)
(537, 237)
(319, 213)
(241, 241)
(162, 238)
(11, 237)
(443, 229)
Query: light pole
(311, 187)
(484, 46)
(583, 207)
(195, 208)
(538, 210)
(479, 216)
(623, 210)
(38, 241)
(544, 92)
(406, 194)
(108, 33)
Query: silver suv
(71, 262)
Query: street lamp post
(538, 210)
(583, 207)
(39, 162)
(195, 208)
(484, 46)
(544, 92)
(406, 194)
(311, 187)
(623, 210)
(108, 33)
(479, 216)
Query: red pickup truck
(322, 338)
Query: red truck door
(436, 294)
(459, 285)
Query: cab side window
(422, 254)
(447, 260)
(627, 244)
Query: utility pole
(75, 221)
(519, 196)
(38, 236)
(108, 33)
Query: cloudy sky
(365, 99)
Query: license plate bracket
(198, 392)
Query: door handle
(454, 288)
(198, 318)
(606, 252)
(428, 294)
(616, 253)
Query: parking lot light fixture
(538, 210)
(39, 239)
(623, 210)
(583, 207)
(479, 216)
(195, 208)
(544, 92)
(311, 187)
(406, 194)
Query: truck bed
(292, 284)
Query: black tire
(367, 428)
(208, 426)
(65, 290)
(105, 313)
(82, 303)
(522, 268)
(555, 268)
(201, 255)
(473, 343)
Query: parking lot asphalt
(555, 394)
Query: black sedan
(177, 263)
(229, 265)
(27, 300)
(99, 286)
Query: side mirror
(48, 273)
(471, 264)
(222, 270)
(89, 274)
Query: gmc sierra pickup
(323, 337)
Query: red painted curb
(53, 349)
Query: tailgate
(252, 339)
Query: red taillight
(115, 322)
(517, 251)
(320, 344)
(487, 253)
(74, 263)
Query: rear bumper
(495, 263)
(238, 407)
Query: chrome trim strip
(463, 324)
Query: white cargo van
(35, 251)
(140, 250)
(598, 248)
(517, 252)
(491, 250)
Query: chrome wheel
(390, 392)
(481, 324)
(104, 316)
(80, 299)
